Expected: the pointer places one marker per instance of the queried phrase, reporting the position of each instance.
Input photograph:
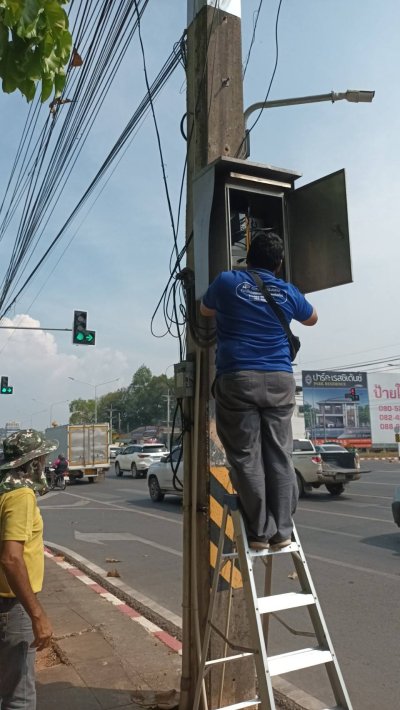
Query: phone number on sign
(388, 408)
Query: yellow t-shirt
(20, 520)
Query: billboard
(336, 407)
(384, 401)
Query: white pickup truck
(329, 465)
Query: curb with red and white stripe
(154, 630)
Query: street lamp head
(359, 96)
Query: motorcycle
(55, 479)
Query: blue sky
(117, 265)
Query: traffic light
(5, 387)
(352, 395)
(81, 336)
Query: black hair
(265, 251)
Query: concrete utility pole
(215, 128)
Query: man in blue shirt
(255, 389)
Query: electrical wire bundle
(46, 157)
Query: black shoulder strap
(277, 310)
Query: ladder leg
(265, 689)
(227, 624)
(320, 628)
(267, 593)
(213, 594)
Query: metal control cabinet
(232, 199)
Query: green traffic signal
(81, 336)
(4, 386)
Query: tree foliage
(81, 411)
(35, 45)
(144, 402)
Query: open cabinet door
(318, 233)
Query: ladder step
(226, 659)
(293, 547)
(295, 660)
(241, 706)
(278, 602)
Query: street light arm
(351, 95)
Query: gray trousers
(253, 416)
(17, 658)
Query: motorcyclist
(60, 466)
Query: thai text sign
(384, 401)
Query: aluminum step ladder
(259, 610)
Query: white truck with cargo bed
(85, 446)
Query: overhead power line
(169, 67)
(256, 16)
(45, 161)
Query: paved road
(351, 543)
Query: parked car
(137, 458)
(166, 476)
(396, 506)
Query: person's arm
(208, 312)
(312, 319)
(13, 564)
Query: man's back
(250, 337)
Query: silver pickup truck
(329, 465)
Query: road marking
(356, 568)
(100, 538)
(48, 495)
(78, 504)
(129, 510)
(325, 530)
(380, 483)
(345, 515)
(366, 495)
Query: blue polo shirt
(249, 335)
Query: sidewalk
(107, 655)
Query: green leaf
(47, 88)
(57, 18)
(12, 12)
(32, 66)
(29, 18)
(9, 84)
(37, 48)
(51, 63)
(59, 83)
(47, 44)
(65, 45)
(28, 89)
(3, 39)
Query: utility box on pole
(234, 199)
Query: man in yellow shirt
(24, 626)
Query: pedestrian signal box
(234, 199)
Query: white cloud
(38, 369)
